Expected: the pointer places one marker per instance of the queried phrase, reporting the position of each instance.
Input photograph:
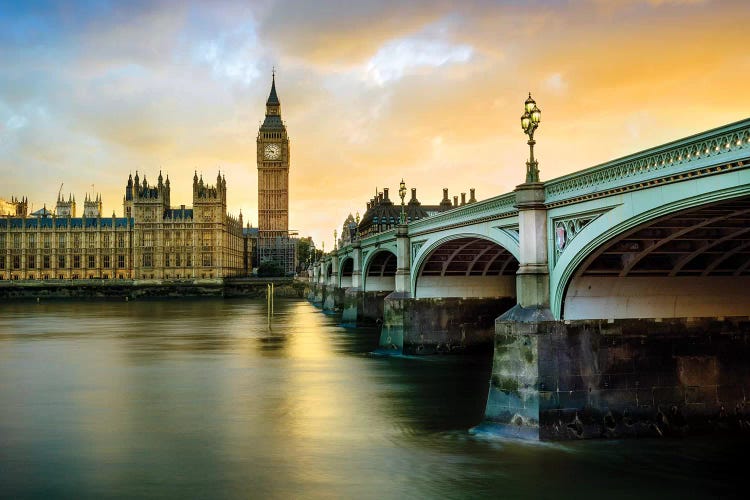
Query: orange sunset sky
(371, 92)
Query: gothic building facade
(153, 241)
(201, 241)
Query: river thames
(199, 399)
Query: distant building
(250, 237)
(153, 240)
(202, 241)
(13, 207)
(348, 230)
(383, 214)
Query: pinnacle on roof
(273, 99)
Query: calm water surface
(198, 399)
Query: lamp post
(354, 231)
(402, 194)
(529, 123)
(335, 239)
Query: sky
(371, 92)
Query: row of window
(62, 239)
(391, 220)
(75, 276)
(16, 261)
(147, 239)
(176, 260)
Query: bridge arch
(464, 265)
(379, 271)
(346, 269)
(644, 258)
(327, 270)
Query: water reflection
(181, 398)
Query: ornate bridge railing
(375, 239)
(715, 147)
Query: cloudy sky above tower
(371, 91)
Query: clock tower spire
(273, 173)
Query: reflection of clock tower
(273, 171)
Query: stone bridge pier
(316, 294)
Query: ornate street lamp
(529, 123)
(402, 194)
(354, 228)
(335, 239)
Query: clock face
(272, 152)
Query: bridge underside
(347, 269)
(381, 273)
(468, 267)
(461, 287)
(694, 263)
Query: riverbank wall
(143, 289)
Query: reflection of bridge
(619, 291)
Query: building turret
(92, 207)
(17, 207)
(66, 208)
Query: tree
(271, 269)
(304, 252)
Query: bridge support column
(311, 283)
(553, 380)
(513, 400)
(333, 299)
(320, 285)
(394, 312)
(315, 293)
(353, 307)
(357, 264)
(532, 278)
(403, 261)
(334, 279)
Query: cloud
(235, 56)
(371, 92)
(337, 34)
(397, 58)
(556, 83)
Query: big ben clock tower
(273, 173)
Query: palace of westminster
(153, 239)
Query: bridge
(615, 297)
